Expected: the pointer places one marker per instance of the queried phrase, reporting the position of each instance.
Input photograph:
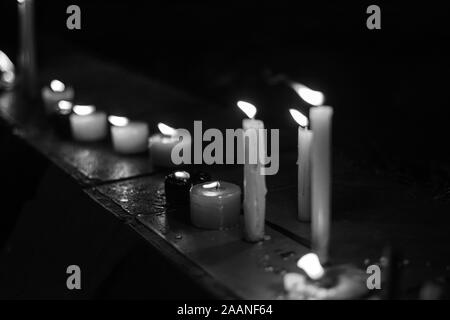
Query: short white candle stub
(87, 124)
(311, 265)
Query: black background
(388, 87)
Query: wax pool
(87, 124)
(54, 93)
(128, 137)
(215, 205)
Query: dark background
(388, 87)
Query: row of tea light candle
(314, 158)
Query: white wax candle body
(27, 55)
(215, 208)
(304, 174)
(51, 98)
(131, 138)
(254, 185)
(321, 118)
(160, 148)
(91, 127)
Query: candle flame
(212, 185)
(57, 86)
(166, 130)
(299, 117)
(182, 175)
(311, 96)
(247, 108)
(64, 105)
(20, 1)
(83, 110)
(118, 121)
(311, 265)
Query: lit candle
(321, 117)
(128, 137)
(27, 58)
(61, 118)
(339, 282)
(7, 71)
(87, 124)
(215, 205)
(178, 184)
(54, 93)
(161, 145)
(304, 160)
(254, 181)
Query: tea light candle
(54, 93)
(161, 144)
(254, 181)
(321, 117)
(215, 205)
(61, 118)
(128, 137)
(178, 184)
(87, 124)
(304, 160)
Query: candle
(54, 93)
(128, 137)
(254, 181)
(161, 145)
(61, 118)
(87, 124)
(339, 282)
(304, 160)
(178, 184)
(215, 205)
(27, 59)
(321, 117)
(7, 71)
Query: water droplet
(268, 269)
(123, 200)
(178, 236)
(287, 255)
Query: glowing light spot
(247, 108)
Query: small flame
(57, 86)
(64, 105)
(212, 185)
(311, 96)
(248, 108)
(20, 1)
(166, 130)
(299, 117)
(182, 175)
(118, 121)
(6, 68)
(311, 265)
(83, 110)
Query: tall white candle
(27, 55)
(321, 118)
(128, 137)
(254, 181)
(304, 166)
(87, 124)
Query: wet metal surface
(252, 271)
